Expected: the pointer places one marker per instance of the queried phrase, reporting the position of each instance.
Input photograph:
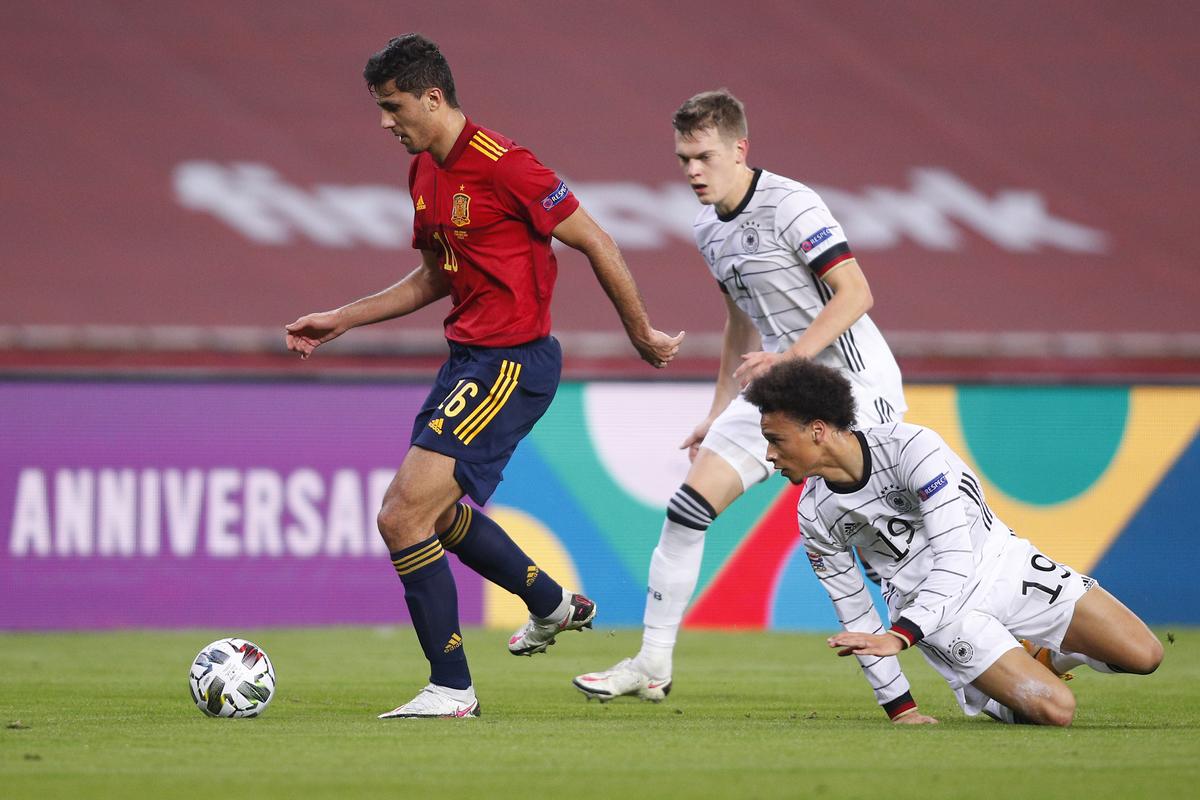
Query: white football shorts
(1031, 597)
(736, 436)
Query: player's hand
(865, 644)
(914, 717)
(692, 442)
(309, 332)
(657, 349)
(753, 365)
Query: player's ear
(743, 150)
(433, 99)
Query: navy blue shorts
(484, 401)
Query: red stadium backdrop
(1016, 178)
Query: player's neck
(456, 120)
(737, 194)
(845, 463)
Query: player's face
(712, 165)
(409, 118)
(791, 447)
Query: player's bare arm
(739, 337)
(581, 232)
(851, 299)
(418, 289)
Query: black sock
(432, 602)
(483, 546)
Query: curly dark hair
(718, 109)
(415, 63)
(805, 391)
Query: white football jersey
(918, 517)
(769, 255)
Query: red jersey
(488, 212)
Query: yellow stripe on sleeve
(487, 153)
(487, 140)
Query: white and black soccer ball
(232, 678)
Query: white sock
(1064, 662)
(562, 609)
(674, 571)
(461, 695)
(999, 712)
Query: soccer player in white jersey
(959, 584)
(792, 288)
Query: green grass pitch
(753, 715)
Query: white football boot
(623, 679)
(538, 634)
(437, 701)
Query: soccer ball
(232, 678)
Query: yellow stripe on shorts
(486, 411)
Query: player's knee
(391, 522)
(1062, 717)
(1154, 656)
(402, 522)
(1147, 657)
(1059, 709)
(1048, 705)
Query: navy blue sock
(483, 546)
(432, 602)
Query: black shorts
(484, 401)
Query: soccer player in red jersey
(485, 212)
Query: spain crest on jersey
(460, 211)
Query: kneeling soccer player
(958, 583)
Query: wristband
(907, 630)
(900, 706)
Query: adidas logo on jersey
(420, 202)
(531, 575)
(454, 643)
(436, 425)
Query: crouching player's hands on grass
(878, 644)
(913, 717)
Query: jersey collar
(851, 488)
(745, 200)
(460, 144)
